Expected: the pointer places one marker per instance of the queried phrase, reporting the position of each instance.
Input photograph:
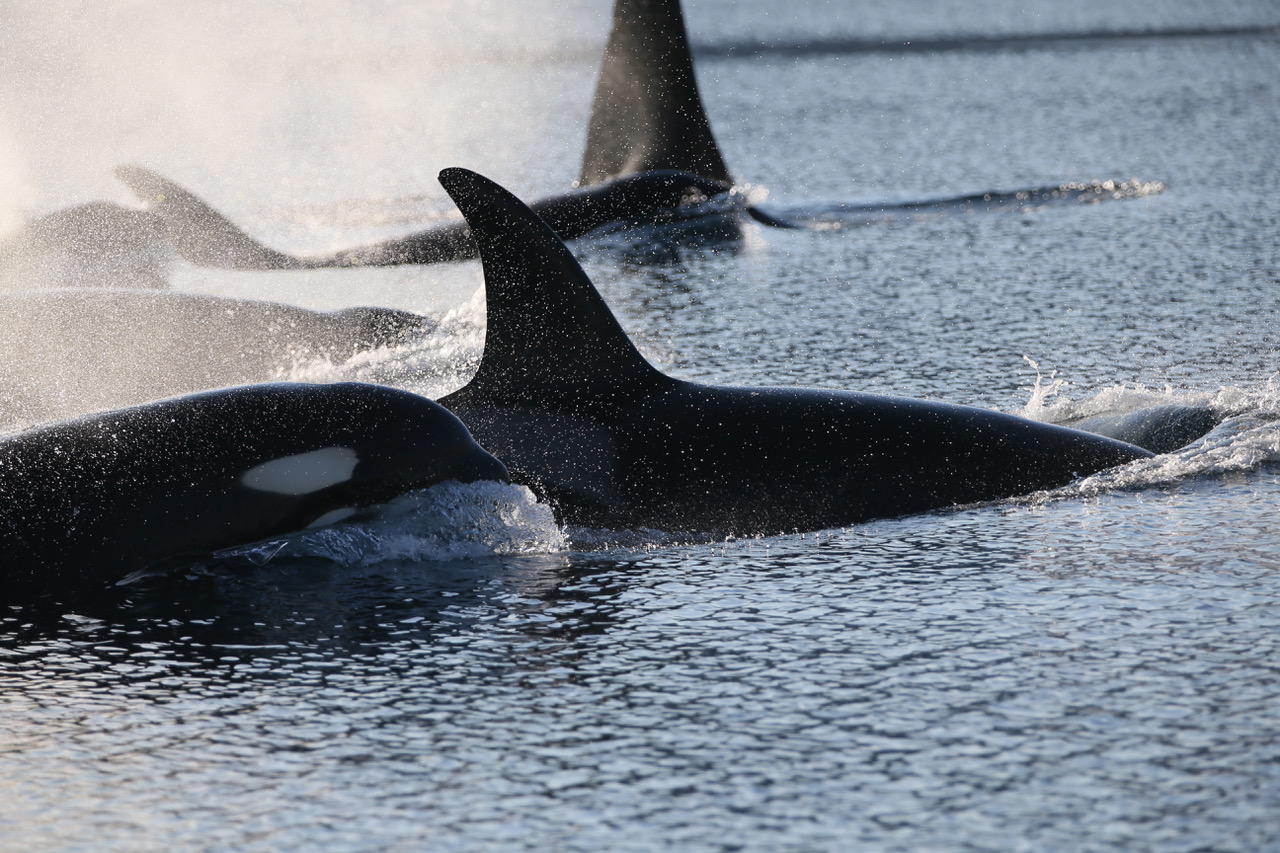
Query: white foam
(448, 521)
(303, 473)
(1247, 437)
(433, 364)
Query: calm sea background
(1094, 669)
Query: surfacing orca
(203, 236)
(647, 112)
(563, 397)
(650, 159)
(69, 352)
(85, 502)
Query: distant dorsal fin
(547, 326)
(201, 234)
(647, 113)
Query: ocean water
(1090, 669)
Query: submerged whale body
(72, 351)
(1160, 429)
(577, 414)
(86, 501)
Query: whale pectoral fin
(647, 113)
(200, 234)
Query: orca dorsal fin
(547, 327)
(647, 113)
(200, 233)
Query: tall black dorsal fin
(647, 113)
(547, 326)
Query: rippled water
(1086, 670)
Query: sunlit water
(1085, 670)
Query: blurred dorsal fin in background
(201, 234)
(647, 113)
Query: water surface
(1094, 669)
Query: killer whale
(84, 502)
(69, 352)
(1160, 429)
(647, 112)
(203, 236)
(579, 416)
(650, 159)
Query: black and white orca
(68, 352)
(578, 415)
(85, 502)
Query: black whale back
(566, 401)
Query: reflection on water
(1092, 669)
(918, 678)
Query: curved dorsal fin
(647, 113)
(200, 233)
(548, 330)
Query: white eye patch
(303, 473)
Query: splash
(449, 521)
(1041, 391)
(433, 364)
(1246, 438)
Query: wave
(836, 215)
(1246, 436)
(432, 364)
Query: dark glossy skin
(647, 113)
(688, 457)
(564, 398)
(83, 502)
(203, 236)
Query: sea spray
(450, 521)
